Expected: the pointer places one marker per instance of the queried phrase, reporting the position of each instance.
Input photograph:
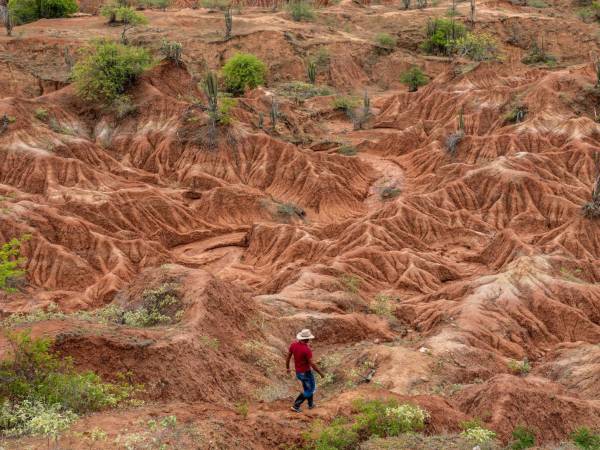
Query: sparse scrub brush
(25, 11)
(516, 114)
(386, 42)
(519, 367)
(591, 210)
(172, 51)
(586, 439)
(228, 22)
(523, 438)
(301, 11)
(538, 55)
(414, 78)
(360, 118)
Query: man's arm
(287, 362)
(314, 366)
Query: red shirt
(302, 356)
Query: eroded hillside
(444, 267)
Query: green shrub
(159, 306)
(243, 71)
(386, 41)
(586, 439)
(107, 69)
(516, 114)
(538, 55)
(300, 91)
(347, 150)
(345, 103)
(351, 283)
(523, 438)
(216, 5)
(476, 46)
(171, 50)
(414, 78)
(301, 11)
(477, 435)
(41, 392)
(10, 262)
(41, 114)
(122, 14)
(25, 11)
(519, 367)
(441, 33)
(338, 435)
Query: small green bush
(478, 436)
(300, 91)
(41, 393)
(243, 71)
(538, 55)
(519, 367)
(41, 114)
(122, 14)
(335, 436)
(523, 438)
(516, 114)
(107, 69)
(386, 41)
(347, 150)
(11, 262)
(414, 78)
(160, 306)
(301, 11)
(25, 11)
(171, 50)
(441, 33)
(351, 283)
(586, 439)
(476, 46)
(345, 103)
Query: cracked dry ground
(480, 258)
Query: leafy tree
(108, 69)
(414, 78)
(24, 11)
(243, 71)
(10, 262)
(301, 11)
(441, 33)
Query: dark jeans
(309, 387)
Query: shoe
(296, 409)
(312, 406)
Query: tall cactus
(228, 22)
(461, 119)
(274, 113)
(311, 71)
(211, 89)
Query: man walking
(303, 364)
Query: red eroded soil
(483, 256)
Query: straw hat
(304, 334)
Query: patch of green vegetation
(414, 78)
(517, 114)
(351, 283)
(216, 5)
(154, 4)
(300, 91)
(11, 262)
(25, 11)
(41, 114)
(301, 11)
(476, 46)
(382, 305)
(523, 438)
(370, 418)
(519, 367)
(586, 439)
(243, 71)
(347, 150)
(107, 70)
(386, 41)
(41, 393)
(171, 50)
(345, 103)
(538, 55)
(441, 33)
(475, 434)
(537, 4)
